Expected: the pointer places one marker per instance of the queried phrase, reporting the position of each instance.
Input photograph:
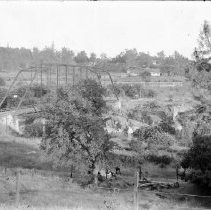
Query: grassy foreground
(55, 192)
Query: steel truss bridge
(54, 76)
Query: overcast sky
(108, 27)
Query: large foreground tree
(75, 131)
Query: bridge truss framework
(54, 76)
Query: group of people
(143, 175)
(109, 174)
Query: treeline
(173, 64)
(13, 58)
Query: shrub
(38, 91)
(145, 76)
(117, 90)
(167, 126)
(147, 93)
(140, 115)
(33, 130)
(145, 118)
(30, 118)
(159, 159)
(2, 82)
(9, 102)
(130, 90)
(151, 105)
(151, 93)
(114, 90)
(154, 137)
(30, 98)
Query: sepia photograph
(105, 105)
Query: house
(133, 71)
(136, 71)
(155, 72)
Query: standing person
(177, 171)
(140, 172)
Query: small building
(134, 71)
(154, 72)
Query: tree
(121, 59)
(35, 54)
(201, 80)
(75, 134)
(151, 142)
(92, 58)
(130, 56)
(180, 63)
(199, 155)
(81, 57)
(67, 56)
(144, 59)
(204, 42)
(91, 91)
(202, 54)
(168, 65)
(167, 125)
(153, 137)
(161, 55)
(103, 57)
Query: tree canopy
(75, 131)
(13, 58)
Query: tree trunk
(94, 178)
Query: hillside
(51, 190)
(52, 187)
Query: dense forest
(13, 58)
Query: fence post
(6, 125)
(135, 196)
(17, 198)
(43, 128)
